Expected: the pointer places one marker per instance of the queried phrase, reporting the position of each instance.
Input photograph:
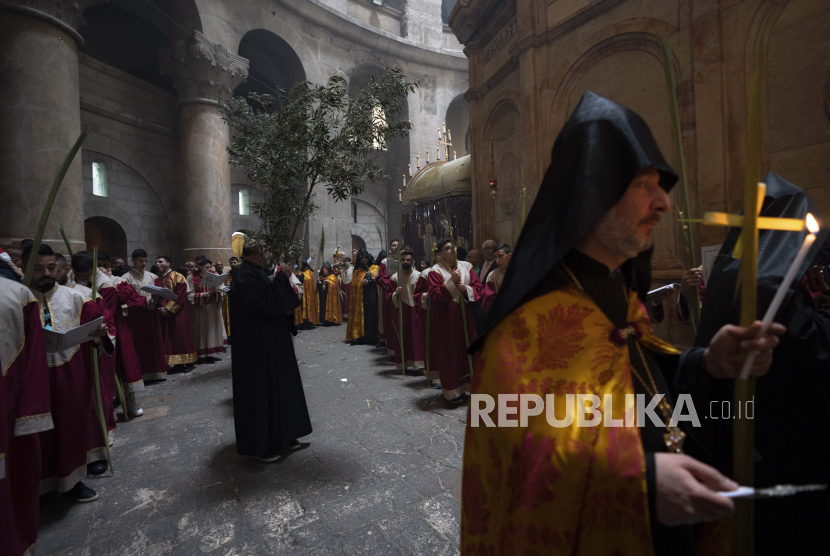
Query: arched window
(354, 212)
(379, 121)
(244, 203)
(100, 182)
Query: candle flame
(812, 225)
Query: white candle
(439, 135)
(404, 181)
(410, 168)
(449, 135)
(400, 195)
(812, 225)
(427, 156)
(437, 154)
(454, 156)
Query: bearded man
(569, 319)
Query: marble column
(40, 119)
(204, 74)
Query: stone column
(204, 74)
(40, 119)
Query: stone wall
(131, 125)
(131, 203)
(531, 60)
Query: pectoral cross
(445, 139)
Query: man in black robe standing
(791, 403)
(269, 408)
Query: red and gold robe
(125, 358)
(557, 491)
(448, 350)
(176, 330)
(77, 438)
(413, 335)
(106, 364)
(207, 326)
(310, 309)
(389, 314)
(354, 330)
(143, 322)
(491, 289)
(25, 409)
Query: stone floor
(381, 473)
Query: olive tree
(315, 136)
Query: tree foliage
(317, 135)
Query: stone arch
(596, 48)
(505, 163)
(458, 119)
(634, 45)
(107, 235)
(132, 202)
(274, 64)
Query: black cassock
(269, 405)
(370, 313)
(792, 402)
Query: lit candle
(454, 156)
(417, 162)
(445, 126)
(449, 135)
(439, 134)
(410, 168)
(812, 225)
(437, 154)
(404, 183)
(400, 195)
(427, 156)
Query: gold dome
(437, 178)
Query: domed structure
(440, 178)
(437, 189)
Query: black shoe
(294, 446)
(97, 467)
(81, 493)
(460, 399)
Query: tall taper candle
(427, 156)
(812, 225)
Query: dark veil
(363, 254)
(602, 147)
(776, 251)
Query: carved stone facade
(203, 70)
(146, 86)
(531, 61)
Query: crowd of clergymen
(145, 335)
(52, 436)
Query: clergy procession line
(380, 297)
(571, 316)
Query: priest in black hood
(792, 402)
(269, 407)
(570, 319)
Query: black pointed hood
(602, 147)
(776, 251)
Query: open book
(61, 341)
(161, 292)
(213, 280)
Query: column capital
(64, 14)
(203, 71)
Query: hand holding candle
(812, 225)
